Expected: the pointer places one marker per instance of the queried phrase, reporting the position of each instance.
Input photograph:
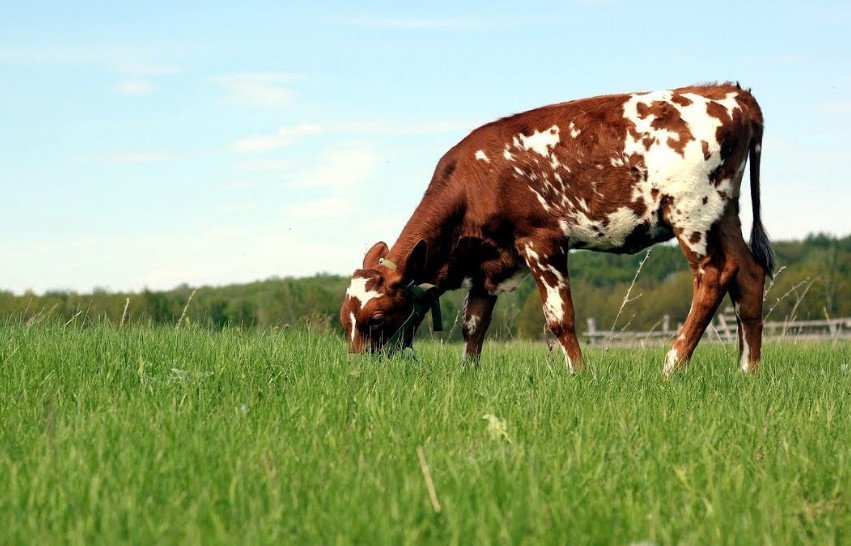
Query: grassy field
(158, 436)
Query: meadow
(156, 435)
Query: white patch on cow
(746, 353)
(354, 325)
(671, 361)
(531, 255)
(519, 171)
(697, 203)
(553, 304)
(622, 222)
(682, 337)
(482, 156)
(599, 235)
(511, 283)
(758, 148)
(507, 155)
(357, 290)
(555, 164)
(574, 132)
(467, 283)
(729, 102)
(541, 199)
(567, 359)
(540, 142)
(746, 349)
(471, 323)
(582, 228)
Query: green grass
(157, 436)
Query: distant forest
(812, 281)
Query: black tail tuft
(761, 248)
(760, 245)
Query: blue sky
(146, 144)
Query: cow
(613, 173)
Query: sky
(149, 144)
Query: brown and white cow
(614, 173)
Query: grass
(150, 435)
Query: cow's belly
(507, 283)
(680, 186)
(622, 231)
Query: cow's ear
(378, 250)
(415, 263)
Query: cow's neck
(437, 222)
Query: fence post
(592, 329)
(724, 319)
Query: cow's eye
(376, 320)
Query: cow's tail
(760, 245)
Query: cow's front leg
(478, 309)
(548, 265)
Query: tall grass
(163, 435)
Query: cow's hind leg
(746, 291)
(547, 261)
(478, 309)
(712, 273)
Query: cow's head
(384, 306)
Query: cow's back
(615, 172)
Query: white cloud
(265, 165)
(237, 184)
(262, 143)
(835, 107)
(133, 87)
(261, 89)
(342, 170)
(384, 128)
(62, 55)
(139, 77)
(197, 256)
(261, 77)
(426, 23)
(147, 69)
(332, 206)
(118, 58)
(285, 135)
(341, 212)
(300, 129)
(129, 158)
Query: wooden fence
(723, 330)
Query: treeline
(812, 281)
